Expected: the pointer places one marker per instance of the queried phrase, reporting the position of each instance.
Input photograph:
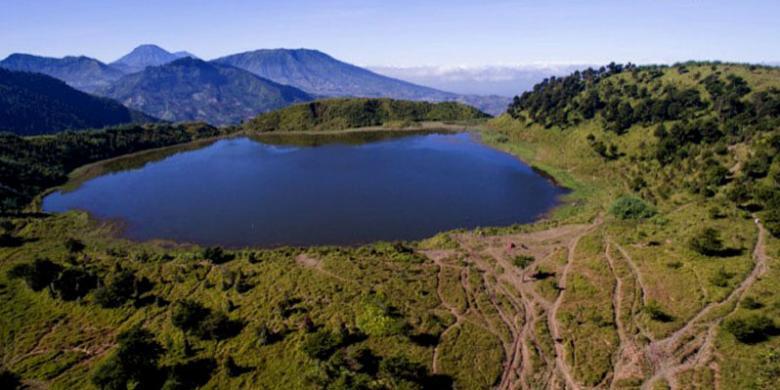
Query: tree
(9, 380)
(74, 283)
(707, 242)
(187, 315)
(118, 291)
(134, 362)
(38, 275)
(629, 207)
(74, 246)
(750, 329)
(321, 344)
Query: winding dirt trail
(685, 349)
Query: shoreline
(86, 172)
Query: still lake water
(271, 191)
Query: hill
(190, 89)
(320, 74)
(676, 169)
(33, 103)
(147, 55)
(340, 114)
(83, 73)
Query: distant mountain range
(84, 73)
(33, 103)
(232, 88)
(318, 73)
(189, 89)
(506, 81)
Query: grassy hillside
(340, 114)
(33, 103)
(676, 162)
(654, 274)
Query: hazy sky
(404, 32)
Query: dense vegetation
(29, 165)
(32, 103)
(695, 126)
(339, 114)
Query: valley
(656, 271)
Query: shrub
(187, 315)
(321, 344)
(38, 275)
(74, 283)
(523, 261)
(191, 316)
(751, 303)
(9, 380)
(118, 291)
(707, 242)
(721, 278)
(656, 312)
(135, 361)
(629, 207)
(753, 328)
(74, 246)
(216, 254)
(378, 319)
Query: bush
(523, 261)
(707, 242)
(135, 361)
(191, 316)
(187, 315)
(74, 246)
(721, 278)
(120, 289)
(378, 319)
(629, 207)
(656, 312)
(321, 344)
(750, 329)
(216, 254)
(74, 283)
(38, 275)
(9, 380)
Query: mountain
(84, 73)
(347, 113)
(192, 89)
(147, 55)
(318, 73)
(33, 103)
(480, 80)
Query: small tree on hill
(707, 242)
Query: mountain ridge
(34, 103)
(193, 89)
(80, 72)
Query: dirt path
(316, 264)
(684, 349)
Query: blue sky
(405, 32)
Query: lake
(316, 190)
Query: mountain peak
(143, 56)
